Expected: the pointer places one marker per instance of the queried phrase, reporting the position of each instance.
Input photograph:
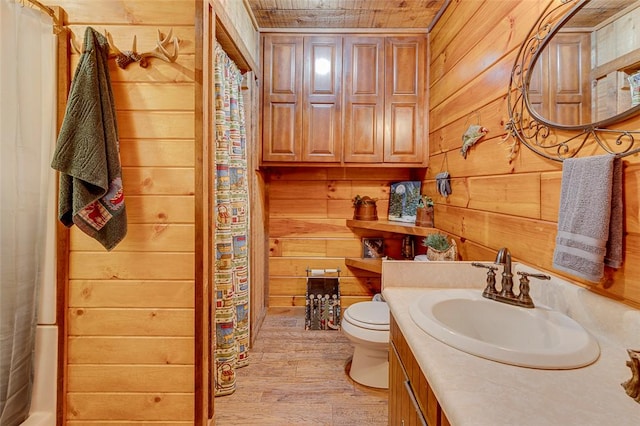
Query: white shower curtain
(27, 133)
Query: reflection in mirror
(582, 74)
(570, 83)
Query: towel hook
(124, 58)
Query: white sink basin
(537, 338)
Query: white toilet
(366, 325)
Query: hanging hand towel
(584, 216)
(613, 258)
(87, 152)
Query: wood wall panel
(155, 124)
(456, 69)
(127, 266)
(316, 247)
(159, 72)
(118, 406)
(506, 194)
(158, 181)
(146, 36)
(489, 158)
(130, 322)
(310, 228)
(129, 12)
(143, 237)
(160, 209)
(479, 91)
(308, 209)
(131, 350)
(130, 312)
(355, 286)
(498, 201)
(149, 279)
(128, 378)
(492, 116)
(157, 153)
(153, 96)
(130, 294)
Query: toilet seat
(368, 315)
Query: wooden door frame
(62, 232)
(211, 24)
(203, 273)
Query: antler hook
(160, 51)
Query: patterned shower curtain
(231, 227)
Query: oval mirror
(581, 74)
(570, 92)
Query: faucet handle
(538, 276)
(524, 297)
(491, 278)
(482, 265)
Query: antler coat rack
(124, 58)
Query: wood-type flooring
(298, 377)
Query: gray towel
(585, 216)
(613, 258)
(87, 151)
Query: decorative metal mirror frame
(550, 140)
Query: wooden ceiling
(383, 14)
(596, 12)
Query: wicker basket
(450, 254)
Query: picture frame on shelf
(372, 248)
(403, 200)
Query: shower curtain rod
(46, 9)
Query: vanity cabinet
(411, 400)
(344, 99)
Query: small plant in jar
(439, 247)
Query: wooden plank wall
(308, 208)
(131, 311)
(259, 274)
(496, 202)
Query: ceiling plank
(417, 14)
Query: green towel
(87, 152)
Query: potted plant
(365, 208)
(424, 212)
(439, 247)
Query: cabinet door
(570, 82)
(363, 99)
(282, 96)
(405, 94)
(560, 86)
(321, 117)
(403, 406)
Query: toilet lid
(371, 315)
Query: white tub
(43, 402)
(43, 395)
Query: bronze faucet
(506, 294)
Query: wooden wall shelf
(371, 265)
(375, 265)
(389, 226)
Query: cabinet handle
(415, 403)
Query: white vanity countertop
(476, 392)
